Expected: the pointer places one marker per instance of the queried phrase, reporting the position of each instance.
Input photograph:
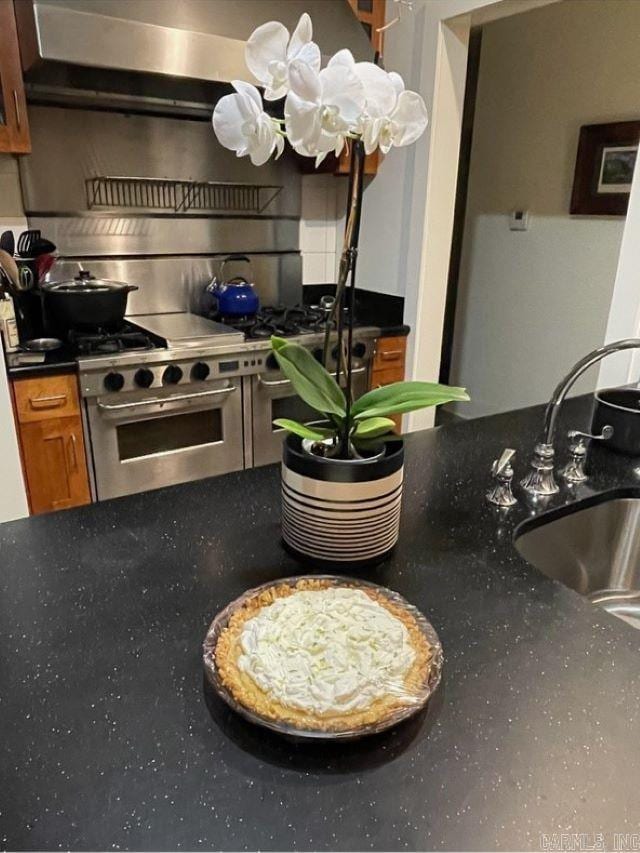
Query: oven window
(294, 409)
(174, 432)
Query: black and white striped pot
(341, 513)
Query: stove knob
(359, 349)
(200, 370)
(172, 375)
(318, 354)
(143, 378)
(114, 381)
(271, 363)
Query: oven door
(273, 397)
(140, 443)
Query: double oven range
(176, 398)
(194, 398)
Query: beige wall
(543, 75)
(531, 303)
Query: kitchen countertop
(56, 361)
(111, 741)
(63, 361)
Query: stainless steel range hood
(201, 41)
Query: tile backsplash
(321, 227)
(11, 207)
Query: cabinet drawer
(386, 377)
(390, 352)
(46, 397)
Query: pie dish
(323, 656)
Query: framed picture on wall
(604, 168)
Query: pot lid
(84, 282)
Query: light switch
(519, 220)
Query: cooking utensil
(26, 241)
(85, 302)
(11, 269)
(42, 344)
(417, 703)
(237, 296)
(9, 282)
(619, 408)
(8, 242)
(43, 247)
(26, 275)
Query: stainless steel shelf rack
(160, 194)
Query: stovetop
(286, 322)
(108, 341)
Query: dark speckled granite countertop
(109, 741)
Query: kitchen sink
(593, 547)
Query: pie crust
(251, 696)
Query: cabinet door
(14, 127)
(55, 464)
(388, 366)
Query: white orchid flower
(379, 87)
(403, 125)
(322, 108)
(241, 125)
(269, 53)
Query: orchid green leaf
(373, 427)
(404, 397)
(310, 380)
(312, 432)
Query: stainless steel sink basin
(592, 547)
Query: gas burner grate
(108, 341)
(285, 322)
(280, 320)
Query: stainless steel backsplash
(170, 256)
(73, 146)
(169, 284)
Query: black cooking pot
(85, 302)
(619, 408)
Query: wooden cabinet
(51, 442)
(14, 125)
(370, 13)
(389, 365)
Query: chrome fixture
(540, 480)
(502, 473)
(573, 471)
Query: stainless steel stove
(197, 398)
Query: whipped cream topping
(326, 651)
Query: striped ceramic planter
(341, 513)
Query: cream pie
(320, 656)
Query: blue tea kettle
(235, 298)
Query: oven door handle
(176, 398)
(279, 383)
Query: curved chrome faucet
(540, 479)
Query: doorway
(531, 283)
